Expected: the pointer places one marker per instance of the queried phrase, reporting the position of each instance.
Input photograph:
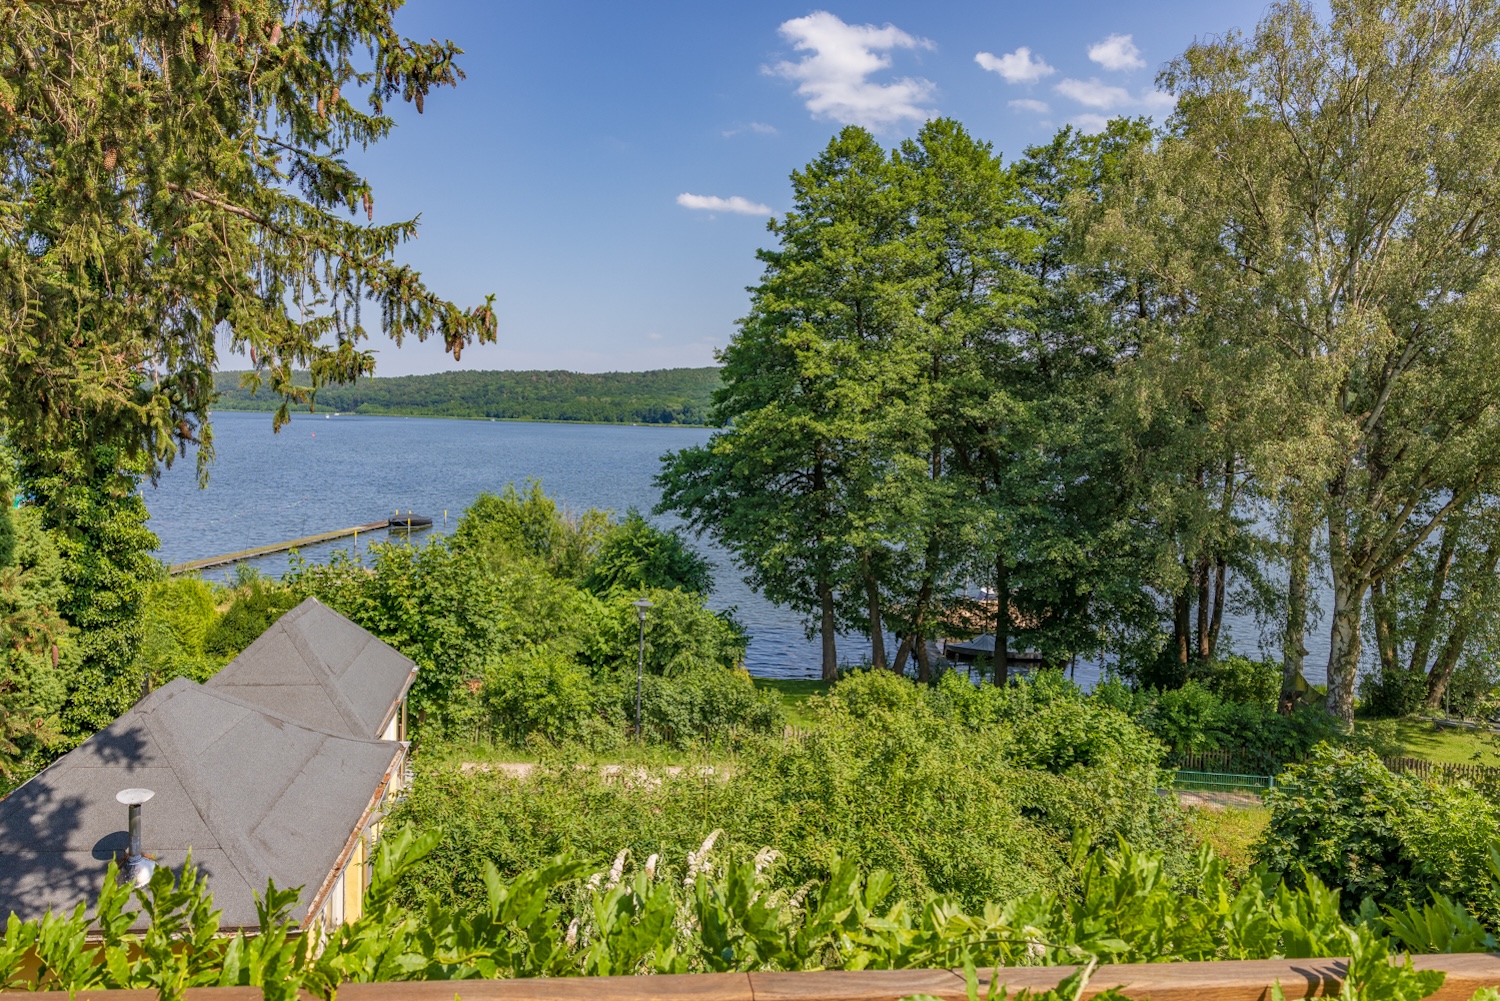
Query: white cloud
(1028, 104)
(1117, 52)
(1088, 122)
(834, 78)
(1017, 67)
(713, 203)
(759, 128)
(1094, 94)
(654, 336)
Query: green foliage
(174, 176)
(527, 525)
(701, 706)
(1392, 694)
(1344, 818)
(635, 555)
(90, 504)
(899, 776)
(501, 603)
(1193, 718)
(181, 617)
(545, 694)
(1240, 680)
(32, 685)
(256, 607)
(664, 396)
(565, 917)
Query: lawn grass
(795, 693)
(1229, 831)
(1414, 738)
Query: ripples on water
(320, 474)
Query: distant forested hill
(664, 396)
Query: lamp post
(640, 665)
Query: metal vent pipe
(138, 867)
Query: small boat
(408, 522)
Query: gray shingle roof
(253, 794)
(320, 669)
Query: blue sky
(606, 167)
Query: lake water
(321, 474)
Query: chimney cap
(134, 797)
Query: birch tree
(1346, 168)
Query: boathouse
(282, 770)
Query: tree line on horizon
(661, 396)
(1133, 379)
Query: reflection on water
(322, 474)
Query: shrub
(181, 616)
(636, 556)
(1241, 680)
(1344, 818)
(887, 772)
(1389, 694)
(704, 705)
(255, 609)
(544, 694)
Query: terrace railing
(1220, 981)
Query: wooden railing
(1222, 981)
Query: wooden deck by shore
(280, 547)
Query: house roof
(252, 793)
(318, 668)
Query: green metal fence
(1222, 781)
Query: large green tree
(175, 177)
(1341, 165)
(807, 397)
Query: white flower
(616, 870)
(651, 866)
(698, 863)
(764, 858)
(572, 938)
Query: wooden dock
(280, 547)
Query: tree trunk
(1382, 607)
(1181, 629)
(1442, 670)
(1216, 623)
(877, 627)
(1293, 649)
(1200, 575)
(830, 640)
(1421, 647)
(924, 660)
(903, 651)
(1002, 621)
(1344, 637)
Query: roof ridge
(324, 676)
(281, 717)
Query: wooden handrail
(1249, 980)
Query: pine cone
(200, 53)
(221, 19)
(335, 99)
(369, 207)
(419, 102)
(111, 157)
(276, 33)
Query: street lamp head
(641, 605)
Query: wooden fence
(1221, 981)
